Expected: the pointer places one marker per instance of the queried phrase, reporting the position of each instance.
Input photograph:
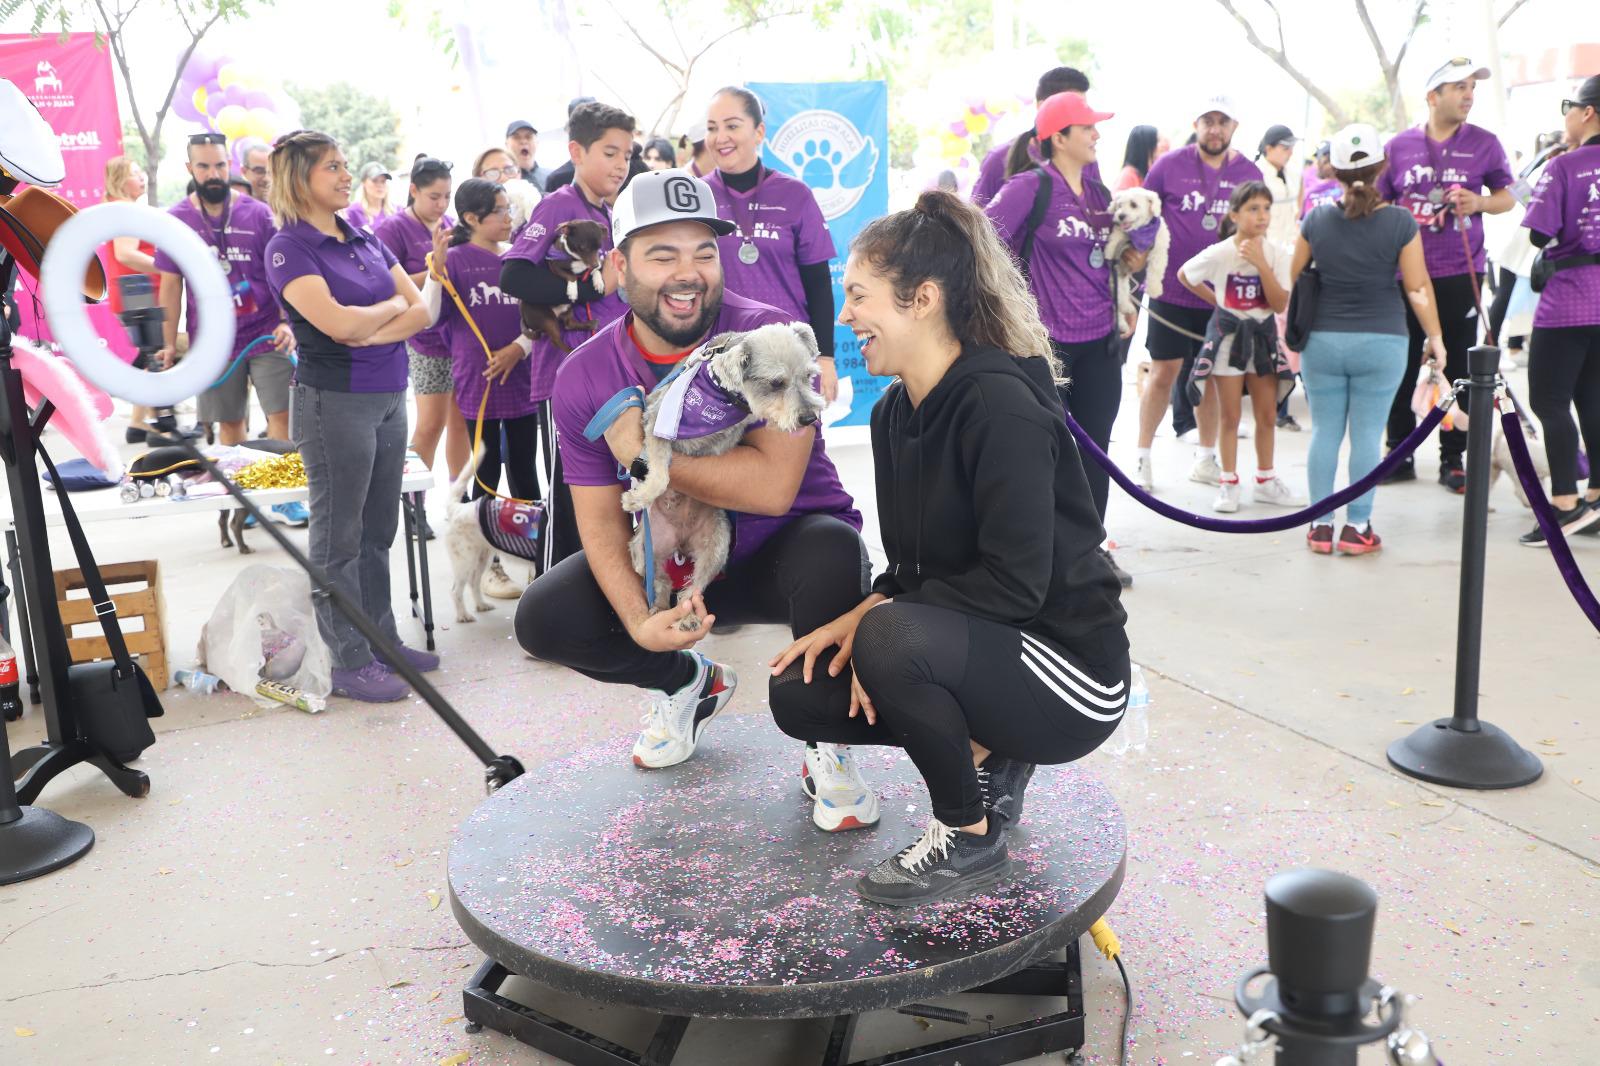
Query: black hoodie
(985, 509)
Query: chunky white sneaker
(1275, 492)
(1227, 500)
(675, 721)
(1145, 473)
(1206, 471)
(498, 584)
(840, 797)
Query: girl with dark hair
(1137, 157)
(995, 639)
(782, 250)
(659, 154)
(408, 235)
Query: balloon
(977, 124)
(200, 69)
(255, 98)
(199, 101)
(952, 146)
(958, 128)
(232, 96)
(183, 105)
(228, 75)
(998, 105)
(230, 121)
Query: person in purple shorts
(1195, 183)
(797, 556)
(1438, 171)
(602, 140)
(993, 171)
(781, 252)
(1563, 220)
(352, 308)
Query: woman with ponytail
(994, 640)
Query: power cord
(1106, 942)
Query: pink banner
(70, 82)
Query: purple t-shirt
(239, 238)
(357, 271)
(356, 215)
(1190, 190)
(1566, 207)
(1419, 165)
(411, 242)
(475, 273)
(1320, 191)
(611, 362)
(780, 217)
(536, 243)
(1074, 294)
(992, 172)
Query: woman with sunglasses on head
(782, 249)
(409, 235)
(352, 307)
(371, 206)
(1563, 220)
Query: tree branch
(1372, 35)
(1416, 24)
(642, 43)
(751, 24)
(1281, 58)
(1512, 10)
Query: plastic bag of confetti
(263, 629)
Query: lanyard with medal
(1436, 194)
(749, 254)
(1209, 221)
(1097, 255)
(219, 234)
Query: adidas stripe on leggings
(939, 678)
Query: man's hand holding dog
(625, 438)
(1134, 260)
(660, 632)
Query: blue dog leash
(628, 399)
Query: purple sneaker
(373, 683)
(423, 661)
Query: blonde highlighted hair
(294, 156)
(118, 170)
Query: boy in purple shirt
(1194, 183)
(992, 172)
(797, 553)
(1437, 171)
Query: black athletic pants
(520, 440)
(812, 571)
(1458, 321)
(1092, 395)
(939, 679)
(1505, 284)
(1564, 369)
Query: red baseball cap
(1063, 110)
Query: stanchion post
(1461, 750)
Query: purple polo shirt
(1566, 206)
(356, 215)
(411, 242)
(356, 270)
(1190, 190)
(611, 362)
(536, 243)
(1320, 191)
(1074, 295)
(992, 172)
(238, 237)
(780, 217)
(475, 273)
(1471, 158)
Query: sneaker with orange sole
(1354, 543)
(1319, 538)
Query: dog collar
(696, 402)
(1144, 237)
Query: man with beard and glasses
(236, 228)
(797, 557)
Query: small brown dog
(580, 240)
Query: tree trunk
(1397, 100)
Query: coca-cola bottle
(10, 699)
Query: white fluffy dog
(476, 530)
(1133, 211)
(1500, 461)
(521, 197)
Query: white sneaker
(675, 721)
(1244, 432)
(1227, 500)
(1206, 471)
(498, 583)
(1145, 473)
(840, 797)
(1275, 492)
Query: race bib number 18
(1244, 293)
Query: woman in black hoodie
(995, 639)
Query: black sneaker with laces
(1580, 518)
(1406, 471)
(943, 862)
(1593, 529)
(1288, 422)
(1452, 477)
(1003, 781)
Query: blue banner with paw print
(834, 136)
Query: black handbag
(1544, 269)
(111, 702)
(1303, 300)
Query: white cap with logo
(1354, 147)
(661, 196)
(1221, 102)
(1454, 70)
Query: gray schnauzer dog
(734, 380)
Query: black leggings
(812, 571)
(939, 679)
(521, 442)
(1505, 284)
(1458, 321)
(1564, 369)
(1092, 396)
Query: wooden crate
(141, 613)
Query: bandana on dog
(1143, 238)
(513, 528)
(696, 404)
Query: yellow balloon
(999, 105)
(230, 121)
(229, 75)
(977, 124)
(200, 99)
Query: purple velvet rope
(1396, 456)
(1545, 516)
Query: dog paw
(245, 549)
(690, 624)
(485, 607)
(463, 616)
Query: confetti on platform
(21, 1031)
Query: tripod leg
(422, 560)
(24, 630)
(134, 783)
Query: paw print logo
(827, 152)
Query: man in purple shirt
(1438, 171)
(797, 556)
(1194, 183)
(992, 173)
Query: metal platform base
(485, 1008)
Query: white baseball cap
(1218, 102)
(655, 197)
(1356, 146)
(1454, 70)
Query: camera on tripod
(142, 317)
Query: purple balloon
(258, 99)
(959, 127)
(183, 104)
(201, 68)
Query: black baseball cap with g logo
(662, 196)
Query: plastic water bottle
(1136, 723)
(198, 681)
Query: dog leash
(628, 399)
